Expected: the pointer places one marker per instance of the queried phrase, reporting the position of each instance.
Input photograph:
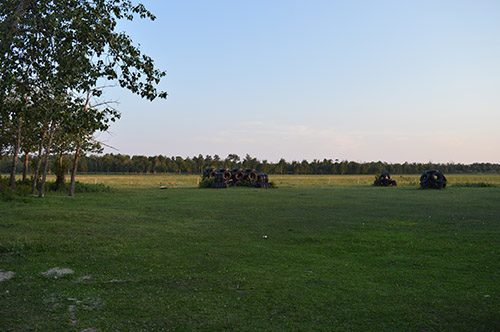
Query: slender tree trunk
(73, 170)
(38, 162)
(46, 162)
(15, 152)
(59, 172)
(25, 170)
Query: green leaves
(72, 44)
(54, 51)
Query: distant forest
(119, 163)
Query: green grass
(336, 258)
(323, 181)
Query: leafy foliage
(206, 183)
(80, 187)
(110, 163)
(52, 55)
(8, 194)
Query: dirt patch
(119, 281)
(75, 306)
(6, 275)
(84, 279)
(72, 315)
(57, 272)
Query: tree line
(119, 163)
(56, 57)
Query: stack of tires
(219, 182)
(251, 176)
(209, 173)
(238, 176)
(263, 181)
(223, 177)
(433, 179)
(384, 180)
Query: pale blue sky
(358, 80)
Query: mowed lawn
(302, 257)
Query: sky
(394, 81)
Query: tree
(58, 50)
(82, 125)
(232, 159)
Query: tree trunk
(15, 152)
(25, 170)
(73, 171)
(59, 172)
(46, 162)
(38, 162)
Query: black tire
(209, 173)
(251, 175)
(383, 180)
(433, 179)
(237, 174)
(226, 175)
(219, 177)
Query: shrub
(79, 187)
(206, 183)
(90, 188)
(7, 194)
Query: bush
(79, 187)
(206, 183)
(90, 188)
(7, 194)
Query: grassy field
(324, 181)
(320, 253)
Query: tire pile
(384, 180)
(224, 177)
(433, 180)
